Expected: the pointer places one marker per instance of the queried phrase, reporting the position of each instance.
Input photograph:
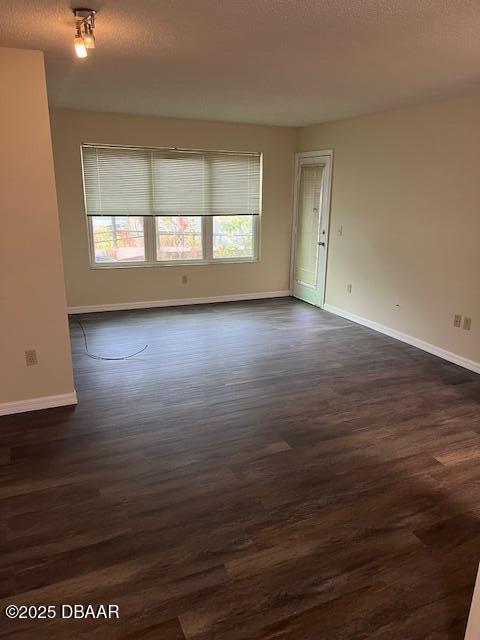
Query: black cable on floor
(95, 357)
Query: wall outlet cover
(31, 357)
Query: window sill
(179, 263)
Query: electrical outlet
(457, 321)
(31, 357)
(184, 279)
(349, 288)
(467, 324)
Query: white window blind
(124, 181)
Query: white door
(310, 238)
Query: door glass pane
(179, 238)
(118, 239)
(308, 222)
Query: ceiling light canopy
(84, 31)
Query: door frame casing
(325, 157)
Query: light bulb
(80, 48)
(89, 41)
(88, 37)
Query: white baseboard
(403, 337)
(34, 404)
(177, 302)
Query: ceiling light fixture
(84, 31)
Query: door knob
(322, 244)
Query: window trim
(150, 237)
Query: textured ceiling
(285, 62)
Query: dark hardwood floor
(263, 471)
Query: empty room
(240, 313)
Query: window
(179, 238)
(118, 239)
(233, 237)
(161, 206)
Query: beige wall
(406, 190)
(33, 309)
(473, 627)
(86, 286)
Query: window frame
(150, 238)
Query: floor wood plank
(264, 470)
